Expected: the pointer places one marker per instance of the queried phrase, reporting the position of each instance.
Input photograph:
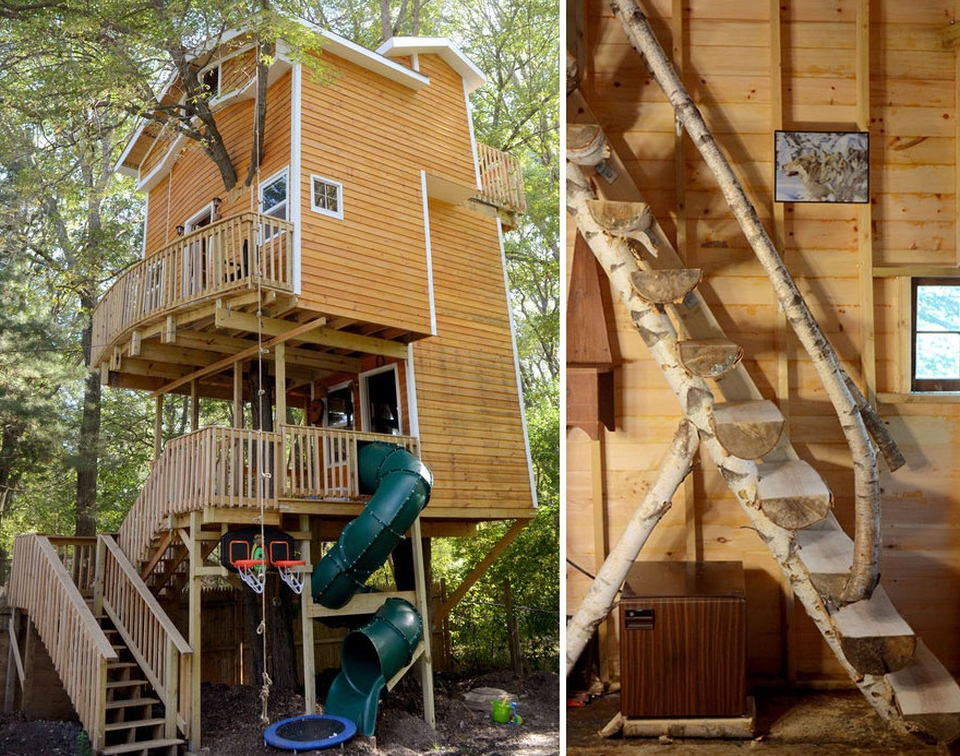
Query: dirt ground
(789, 723)
(231, 722)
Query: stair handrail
(41, 586)
(163, 653)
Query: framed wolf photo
(822, 166)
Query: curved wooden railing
(241, 251)
(41, 586)
(162, 652)
(501, 179)
(219, 467)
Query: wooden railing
(40, 585)
(78, 555)
(162, 652)
(220, 467)
(241, 251)
(501, 179)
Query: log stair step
(827, 553)
(142, 747)
(792, 494)
(620, 218)
(586, 144)
(667, 285)
(874, 637)
(927, 695)
(709, 358)
(749, 429)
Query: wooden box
(683, 640)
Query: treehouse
(837, 123)
(349, 302)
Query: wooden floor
(789, 723)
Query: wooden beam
(478, 572)
(868, 360)
(323, 336)
(224, 344)
(216, 367)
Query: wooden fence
(231, 467)
(501, 179)
(41, 586)
(241, 251)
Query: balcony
(245, 251)
(501, 181)
(234, 468)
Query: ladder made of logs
(897, 674)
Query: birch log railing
(40, 585)
(162, 652)
(239, 252)
(218, 467)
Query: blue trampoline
(309, 732)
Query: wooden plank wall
(469, 406)
(754, 66)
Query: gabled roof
(449, 52)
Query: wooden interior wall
(754, 66)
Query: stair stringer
(696, 399)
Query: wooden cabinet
(683, 640)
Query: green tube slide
(370, 657)
(401, 488)
(373, 654)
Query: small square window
(326, 196)
(936, 334)
(210, 82)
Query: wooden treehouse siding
(726, 62)
(196, 179)
(371, 264)
(467, 400)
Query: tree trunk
(602, 595)
(864, 574)
(260, 112)
(89, 438)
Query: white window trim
(284, 173)
(218, 67)
(207, 211)
(365, 419)
(322, 210)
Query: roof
(449, 52)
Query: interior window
(936, 334)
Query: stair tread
(140, 746)
(620, 217)
(133, 724)
(792, 493)
(126, 683)
(131, 702)
(709, 358)
(927, 694)
(665, 285)
(748, 429)
(874, 637)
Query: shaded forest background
(74, 78)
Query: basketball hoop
(253, 572)
(288, 575)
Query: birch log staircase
(786, 499)
(120, 658)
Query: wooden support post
(513, 631)
(868, 362)
(194, 406)
(158, 428)
(238, 394)
(607, 630)
(306, 619)
(194, 632)
(280, 366)
(99, 570)
(14, 664)
(423, 606)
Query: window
(210, 81)
(273, 196)
(936, 334)
(326, 196)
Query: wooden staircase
(786, 499)
(120, 658)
